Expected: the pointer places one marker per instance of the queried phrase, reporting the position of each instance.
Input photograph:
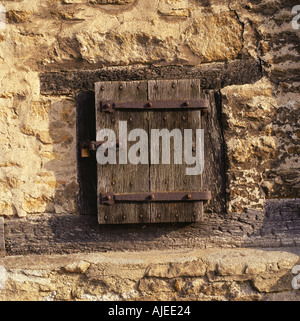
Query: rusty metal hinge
(110, 106)
(92, 146)
(110, 198)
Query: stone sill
(211, 274)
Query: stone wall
(234, 275)
(246, 52)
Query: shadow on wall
(58, 169)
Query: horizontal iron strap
(110, 198)
(110, 106)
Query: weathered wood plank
(122, 178)
(213, 75)
(172, 177)
(214, 178)
(69, 233)
(87, 168)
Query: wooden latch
(92, 146)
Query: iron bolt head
(189, 196)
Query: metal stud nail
(102, 88)
(121, 87)
(106, 218)
(108, 197)
(187, 103)
(189, 196)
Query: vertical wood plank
(173, 177)
(120, 178)
(214, 154)
(87, 167)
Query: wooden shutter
(160, 181)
